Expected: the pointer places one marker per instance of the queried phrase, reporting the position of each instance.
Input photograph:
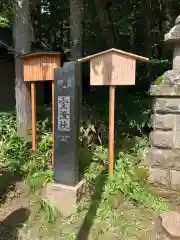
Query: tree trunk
(22, 45)
(106, 23)
(36, 21)
(76, 36)
(168, 20)
(165, 23)
(148, 34)
(76, 15)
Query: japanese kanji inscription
(64, 113)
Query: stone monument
(163, 157)
(67, 188)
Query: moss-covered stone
(164, 90)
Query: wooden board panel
(112, 69)
(40, 68)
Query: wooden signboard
(112, 68)
(40, 66)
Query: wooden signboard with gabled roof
(112, 68)
(39, 66)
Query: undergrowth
(129, 179)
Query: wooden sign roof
(38, 54)
(113, 50)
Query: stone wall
(164, 154)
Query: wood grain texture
(112, 69)
(111, 129)
(40, 67)
(33, 104)
(52, 124)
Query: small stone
(171, 223)
(177, 20)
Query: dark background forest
(77, 28)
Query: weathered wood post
(163, 157)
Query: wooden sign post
(40, 67)
(112, 68)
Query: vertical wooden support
(111, 129)
(53, 124)
(33, 104)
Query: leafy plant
(38, 180)
(159, 80)
(46, 209)
(4, 22)
(126, 181)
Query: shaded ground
(14, 212)
(20, 221)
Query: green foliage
(4, 22)
(46, 209)
(159, 80)
(125, 181)
(39, 179)
(16, 154)
(129, 179)
(97, 165)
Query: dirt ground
(18, 221)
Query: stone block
(176, 131)
(167, 105)
(163, 158)
(65, 198)
(173, 36)
(171, 77)
(175, 179)
(171, 223)
(176, 59)
(165, 90)
(162, 139)
(164, 122)
(177, 22)
(159, 176)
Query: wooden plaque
(40, 66)
(112, 69)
